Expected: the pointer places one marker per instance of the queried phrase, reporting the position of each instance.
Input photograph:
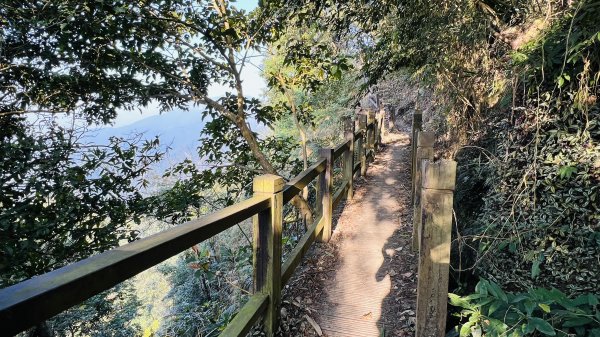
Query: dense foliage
(516, 87)
(516, 84)
(541, 311)
(62, 199)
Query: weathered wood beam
(349, 157)
(358, 134)
(295, 186)
(295, 256)
(339, 194)
(247, 316)
(362, 151)
(434, 256)
(371, 132)
(340, 149)
(324, 194)
(425, 141)
(267, 247)
(417, 126)
(27, 303)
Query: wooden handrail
(340, 149)
(294, 258)
(295, 186)
(30, 302)
(358, 134)
(340, 193)
(356, 167)
(58, 290)
(247, 316)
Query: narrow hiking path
(363, 282)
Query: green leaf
(592, 299)
(529, 307)
(578, 321)
(494, 306)
(482, 287)
(495, 327)
(566, 171)
(535, 268)
(544, 307)
(458, 301)
(465, 330)
(497, 292)
(542, 326)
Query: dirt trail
(363, 282)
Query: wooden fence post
(267, 247)
(362, 125)
(371, 134)
(381, 125)
(324, 197)
(424, 151)
(349, 156)
(417, 125)
(434, 257)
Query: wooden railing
(33, 301)
(433, 185)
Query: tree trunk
(303, 138)
(300, 203)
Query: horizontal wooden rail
(247, 316)
(300, 250)
(358, 134)
(340, 149)
(25, 304)
(60, 289)
(341, 192)
(294, 186)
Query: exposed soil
(363, 282)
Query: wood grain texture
(434, 255)
(417, 125)
(362, 124)
(247, 316)
(267, 247)
(349, 156)
(424, 152)
(325, 194)
(361, 293)
(42, 297)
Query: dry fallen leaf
(314, 325)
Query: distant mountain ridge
(178, 130)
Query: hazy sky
(254, 85)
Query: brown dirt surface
(363, 282)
